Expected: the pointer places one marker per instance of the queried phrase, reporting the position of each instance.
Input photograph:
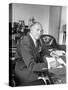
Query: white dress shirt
(34, 40)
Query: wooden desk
(59, 74)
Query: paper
(57, 53)
(60, 66)
(52, 62)
(60, 60)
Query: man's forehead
(37, 25)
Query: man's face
(36, 31)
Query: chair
(48, 40)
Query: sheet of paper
(60, 66)
(60, 60)
(52, 62)
(57, 52)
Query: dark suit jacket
(26, 65)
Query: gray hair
(34, 23)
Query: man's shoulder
(25, 39)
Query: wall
(63, 22)
(24, 12)
(54, 21)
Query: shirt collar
(34, 40)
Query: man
(27, 55)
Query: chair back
(48, 41)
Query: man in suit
(27, 55)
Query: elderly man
(27, 55)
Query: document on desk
(57, 52)
(60, 60)
(53, 63)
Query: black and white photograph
(37, 44)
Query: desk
(59, 74)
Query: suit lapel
(35, 49)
